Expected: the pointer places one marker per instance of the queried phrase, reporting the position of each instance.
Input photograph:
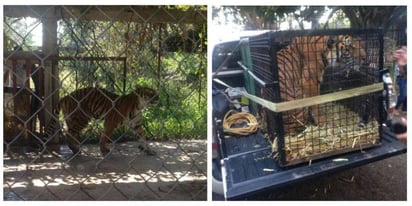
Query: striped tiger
(346, 73)
(347, 54)
(301, 66)
(80, 106)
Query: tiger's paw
(147, 150)
(104, 151)
(150, 152)
(75, 150)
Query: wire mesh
(158, 149)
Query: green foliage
(18, 33)
(182, 108)
(267, 17)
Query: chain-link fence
(72, 74)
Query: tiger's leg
(52, 136)
(365, 111)
(107, 133)
(317, 115)
(142, 141)
(75, 124)
(71, 138)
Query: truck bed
(248, 167)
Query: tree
(268, 17)
(17, 33)
(256, 18)
(374, 16)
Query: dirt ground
(382, 180)
(177, 172)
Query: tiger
(80, 106)
(350, 70)
(301, 65)
(348, 54)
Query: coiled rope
(233, 117)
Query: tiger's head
(346, 52)
(147, 95)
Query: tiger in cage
(346, 54)
(352, 72)
(301, 67)
(80, 106)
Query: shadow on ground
(177, 172)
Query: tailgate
(249, 168)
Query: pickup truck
(245, 166)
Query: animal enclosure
(54, 133)
(303, 67)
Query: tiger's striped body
(301, 67)
(80, 106)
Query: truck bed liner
(251, 169)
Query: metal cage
(290, 72)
